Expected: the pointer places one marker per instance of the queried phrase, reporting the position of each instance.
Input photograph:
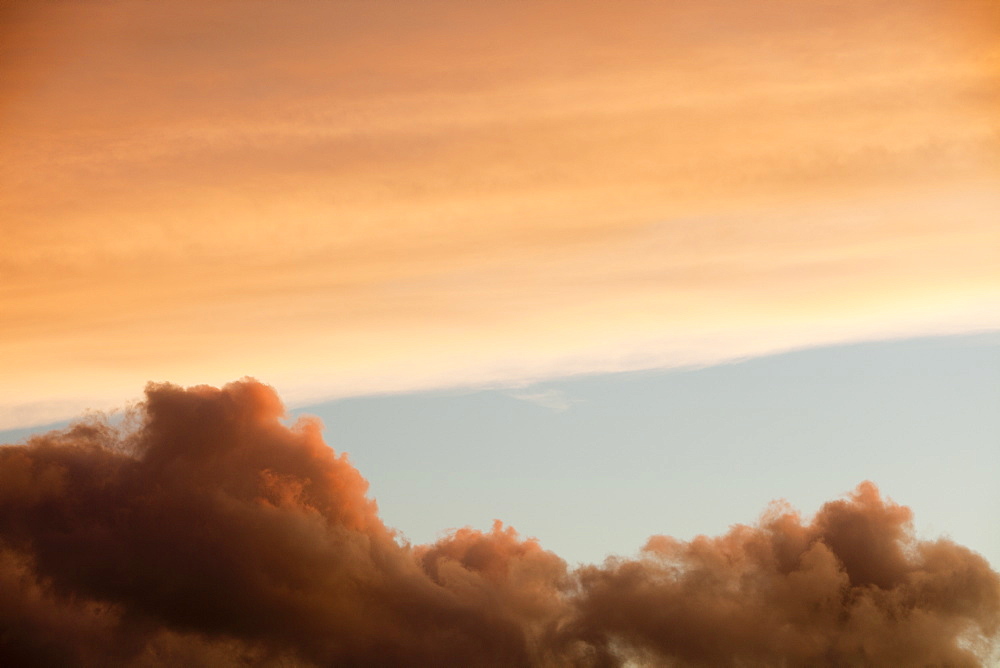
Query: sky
(600, 271)
(340, 199)
(635, 453)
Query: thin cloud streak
(554, 400)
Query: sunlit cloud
(205, 531)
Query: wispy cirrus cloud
(459, 194)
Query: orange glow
(343, 198)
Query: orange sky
(353, 197)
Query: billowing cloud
(203, 531)
(849, 588)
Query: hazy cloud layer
(206, 532)
(447, 193)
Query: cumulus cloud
(206, 532)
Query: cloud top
(206, 532)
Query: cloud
(208, 533)
(454, 194)
(851, 587)
(555, 400)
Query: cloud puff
(208, 533)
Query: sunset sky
(344, 199)
(645, 265)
